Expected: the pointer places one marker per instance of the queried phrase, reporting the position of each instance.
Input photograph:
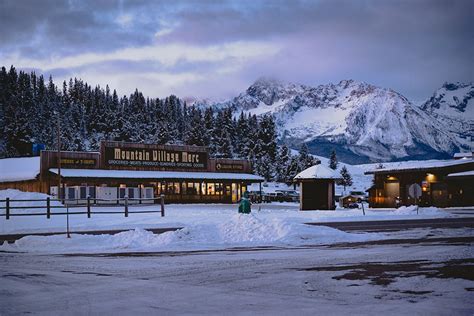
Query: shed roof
(463, 155)
(421, 165)
(317, 172)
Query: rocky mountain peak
(362, 121)
(455, 100)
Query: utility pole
(59, 157)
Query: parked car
(289, 195)
(255, 196)
(360, 195)
(273, 197)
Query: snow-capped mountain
(361, 121)
(453, 106)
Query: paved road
(395, 225)
(420, 277)
(464, 212)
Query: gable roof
(317, 172)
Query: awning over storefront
(155, 175)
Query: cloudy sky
(217, 49)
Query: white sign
(414, 190)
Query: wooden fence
(10, 209)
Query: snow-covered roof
(317, 172)
(19, 169)
(421, 165)
(462, 174)
(132, 174)
(463, 155)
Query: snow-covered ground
(205, 226)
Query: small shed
(317, 188)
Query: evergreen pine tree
(306, 160)
(333, 160)
(294, 168)
(224, 146)
(195, 134)
(346, 180)
(283, 164)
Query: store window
(172, 188)
(71, 193)
(211, 188)
(219, 189)
(92, 192)
(83, 192)
(122, 192)
(192, 188)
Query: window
(184, 188)
(83, 192)
(131, 193)
(71, 192)
(219, 188)
(92, 192)
(172, 188)
(148, 193)
(211, 189)
(191, 188)
(122, 193)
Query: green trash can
(245, 205)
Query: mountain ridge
(363, 122)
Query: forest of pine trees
(29, 109)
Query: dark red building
(444, 183)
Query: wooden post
(67, 224)
(126, 205)
(363, 210)
(140, 194)
(48, 208)
(7, 208)
(162, 198)
(88, 206)
(59, 156)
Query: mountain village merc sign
(155, 158)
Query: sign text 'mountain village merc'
(144, 157)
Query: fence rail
(48, 207)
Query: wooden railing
(48, 208)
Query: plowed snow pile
(238, 231)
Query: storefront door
(392, 193)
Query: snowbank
(20, 195)
(239, 231)
(412, 210)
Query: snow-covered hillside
(453, 106)
(362, 122)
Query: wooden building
(317, 188)
(184, 174)
(444, 183)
